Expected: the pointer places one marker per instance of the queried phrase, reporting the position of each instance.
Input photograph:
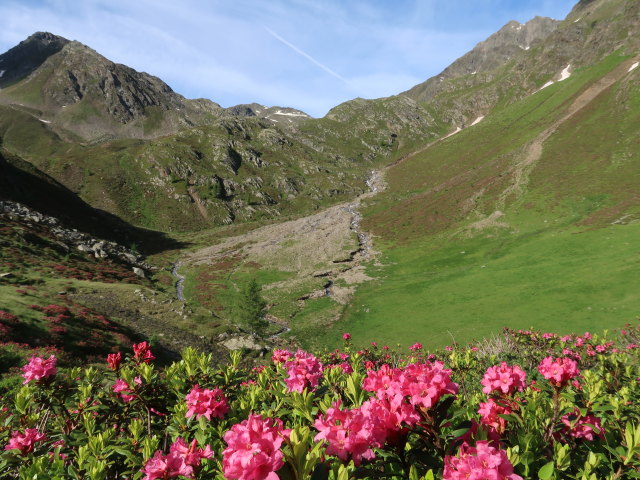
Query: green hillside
(478, 234)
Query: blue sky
(307, 54)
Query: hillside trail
(533, 151)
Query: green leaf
(546, 472)
(459, 432)
(413, 473)
(428, 475)
(343, 473)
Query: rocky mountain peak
(20, 61)
(498, 49)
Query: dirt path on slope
(533, 151)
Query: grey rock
(139, 272)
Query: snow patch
(44, 121)
(458, 129)
(564, 74)
(548, 84)
(631, 68)
(527, 47)
(290, 114)
(577, 20)
(474, 72)
(477, 120)
(2, 73)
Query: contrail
(305, 55)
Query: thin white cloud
(305, 55)
(217, 49)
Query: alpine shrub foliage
(541, 406)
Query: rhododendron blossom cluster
(25, 442)
(253, 451)
(126, 391)
(490, 412)
(39, 368)
(142, 352)
(423, 383)
(481, 462)
(182, 460)
(504, 379)
(354, 433)
(558, 371)
(304, 371)
(203, 402)
(114, 360)
(280, 356)
(588, 427)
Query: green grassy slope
(560, 254)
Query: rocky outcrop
(72, 239)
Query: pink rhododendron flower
(39, 368)
(281, 356)
(479, 463)
(504, 378)
(588, 427)
(558, 371)
(490, 412)
(426, 383)
(114, 360)
(142, 352)
(25, 442)
(346, 367)
(423, 383)
(389, 417)
(354, 433)
(253, 451)
(346, 336)
(166, 466)
(191, 454)
(121, 386)
(416, 347)
(205, 403)
(304, 370)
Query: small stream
(373, 182)
(179, 281)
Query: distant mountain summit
(27, 56)
(78, 90)
(493, 52)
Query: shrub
(530, 412)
